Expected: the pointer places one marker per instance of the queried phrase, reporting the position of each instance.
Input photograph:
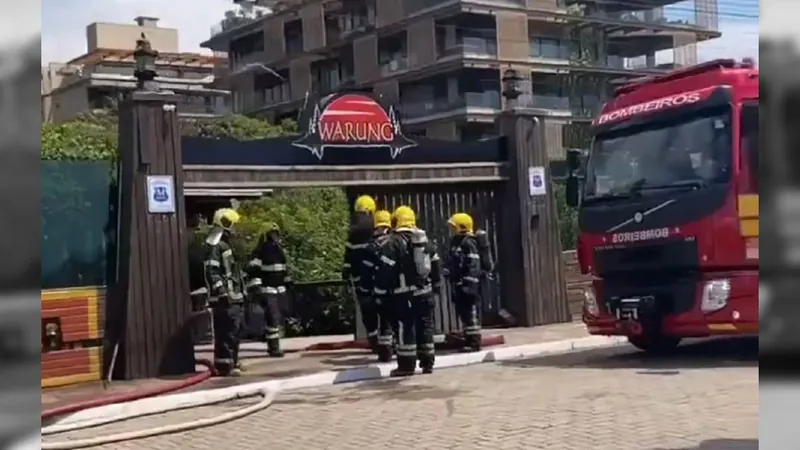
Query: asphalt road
(704, 397)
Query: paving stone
(705, 397)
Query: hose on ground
(131, 396)
(137, 395)
(268, 396)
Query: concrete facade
(98, 78)
(442, 61)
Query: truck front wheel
(654, 344)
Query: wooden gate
(434, 204)
(489, 179)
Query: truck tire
(655, 345)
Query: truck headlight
(715, 295)
(590, 303)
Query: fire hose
(267, 398)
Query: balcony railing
(471, 46)
(544, 101)
(650, 17)
(232, 22)
(394, 65)
(489, 100)
(239, 61)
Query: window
(685, 152)
(749, 141)
(549, 48)
(246, 45)
(293, 36)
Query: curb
(153, 405)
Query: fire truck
(668, 207)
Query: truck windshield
(685, 152)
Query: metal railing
(394, 65)
(487, 100)
(471, 46)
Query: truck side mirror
(573, 191)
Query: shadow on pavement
(392, 389)
(722, 444)
(728, 352)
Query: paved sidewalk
(703, 398)
(296, 363)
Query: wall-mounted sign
(160, 194)
(536, 181)
(354, 121)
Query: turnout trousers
(272, 300)
(387, 326)
(416, 332)
(467, 310)
(369, 314)
(227, 320)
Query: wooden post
(532, 273)
(150, 302)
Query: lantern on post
(145, 58)
(511, 90)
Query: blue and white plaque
(160, 194)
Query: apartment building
(101, 76)
(441, 61)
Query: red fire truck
(668, 207)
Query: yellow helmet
(461, 223)
(365, 204)
(404, 217)
(226, 218)
(382, 218)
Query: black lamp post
(511, 91)
(145, 58)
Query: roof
(125, 55)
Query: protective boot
(384, 353)
(475, 343)
(274, 348)
(426, 364)
(405, 368)
(372, 341)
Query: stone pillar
(149, 305)
(531, 267)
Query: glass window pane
(78, 224)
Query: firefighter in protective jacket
(464, 271)
(353, 270)
(382, 225)
(226, 292)
(267, 284)
(410, 262)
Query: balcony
(266, 98)
(394, 65)
(198, 107)
(473, 47)
(469, 103)
(545, 101)
(656, 16)
(238, 62)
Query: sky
(64, 23)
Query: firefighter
(386, 323)
(226, 296)
(355, 254)
(409, 260)
(268, 279)
(464, 271)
